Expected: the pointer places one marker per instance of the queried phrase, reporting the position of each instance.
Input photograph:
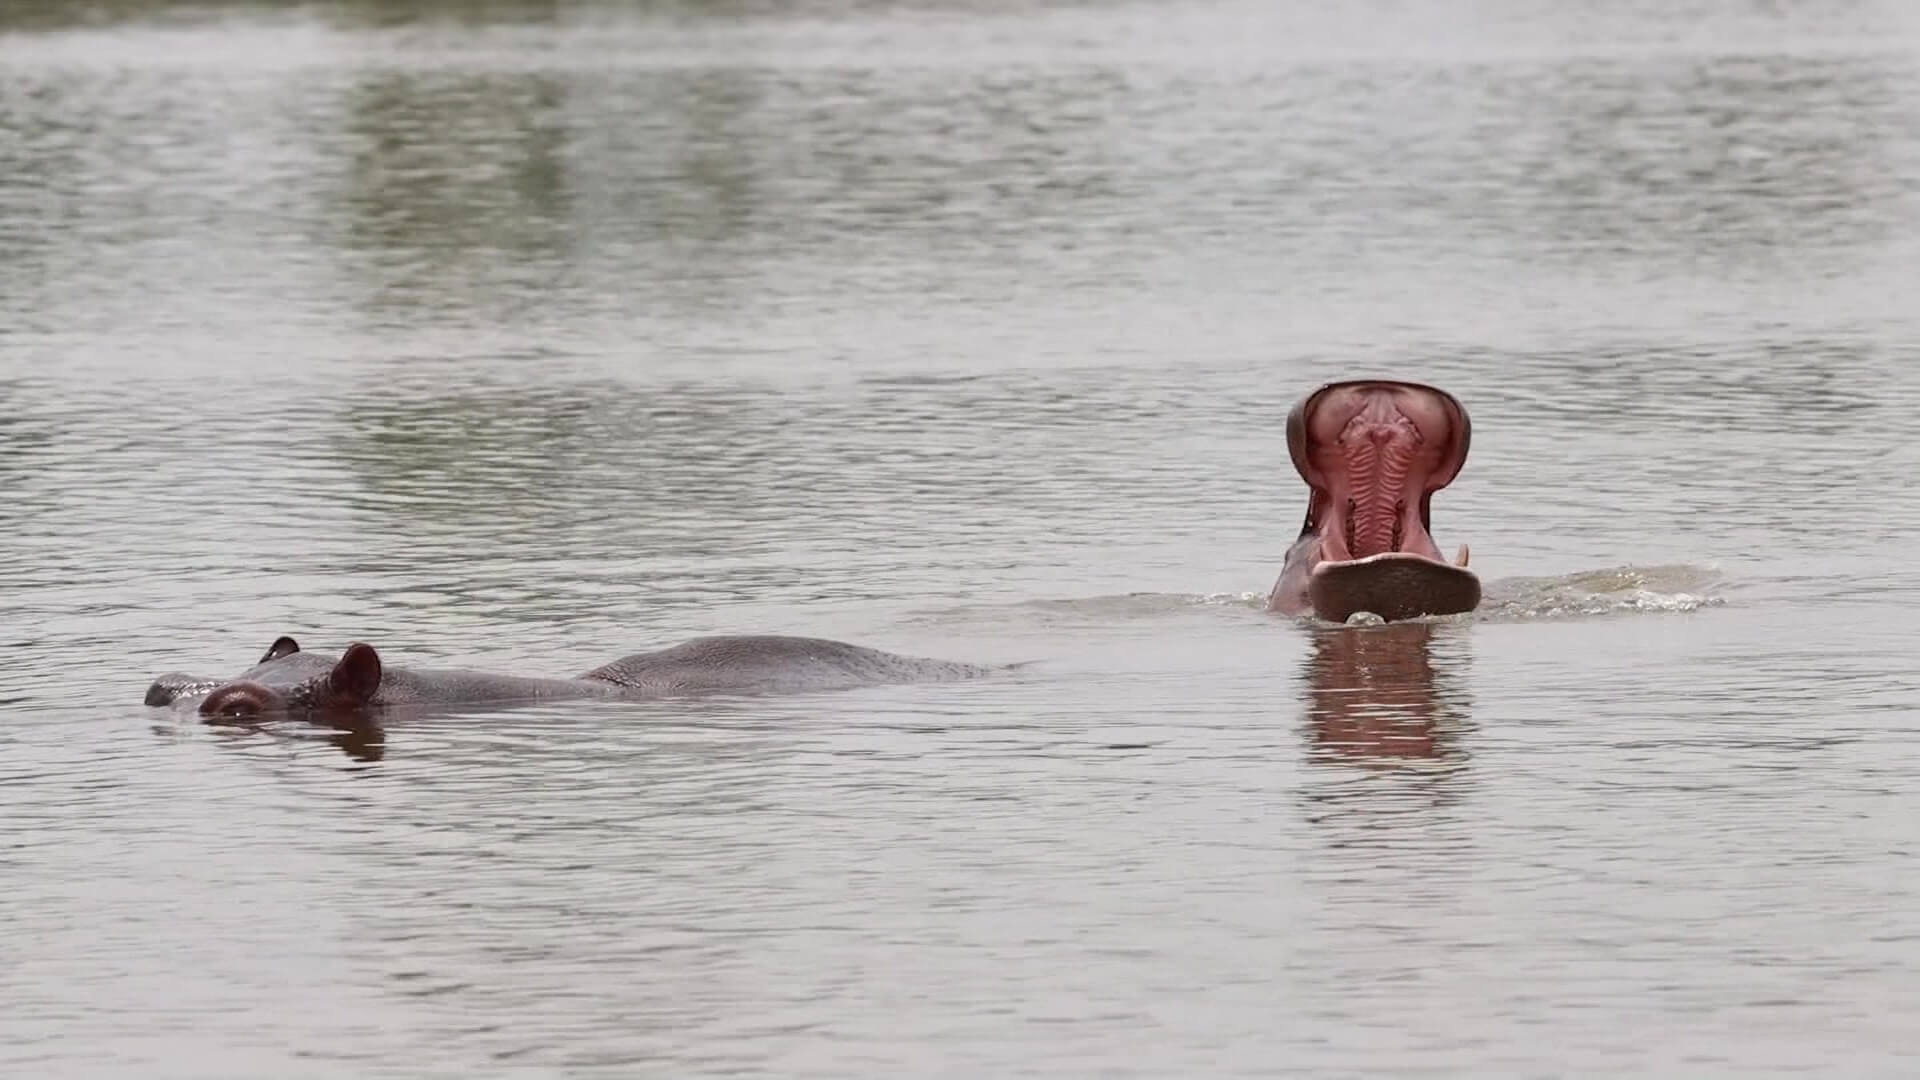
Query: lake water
(527, 335)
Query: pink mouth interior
(1374, 453)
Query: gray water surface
(523, 336)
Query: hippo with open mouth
(1373, 452)
(288, 681)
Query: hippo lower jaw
(1373, 452)
(1393, 585)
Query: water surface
(528, 335)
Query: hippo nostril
(238, 700)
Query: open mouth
(1373, 452)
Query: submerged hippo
(1373, 452)
(287, 680)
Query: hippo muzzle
(241, 700)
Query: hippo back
(770, 663)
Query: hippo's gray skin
(287, 680)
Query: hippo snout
(168, 689)
(240, 700)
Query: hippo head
(285, 680)
(1373, 452)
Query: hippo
(290, 681)
(1373, 452)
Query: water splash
(1610, 591)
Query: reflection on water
(456, 189)
(361, 739)
(524, 335)
(1374, 697)
(1712, 163)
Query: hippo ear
(282, 646)
(356, 677)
